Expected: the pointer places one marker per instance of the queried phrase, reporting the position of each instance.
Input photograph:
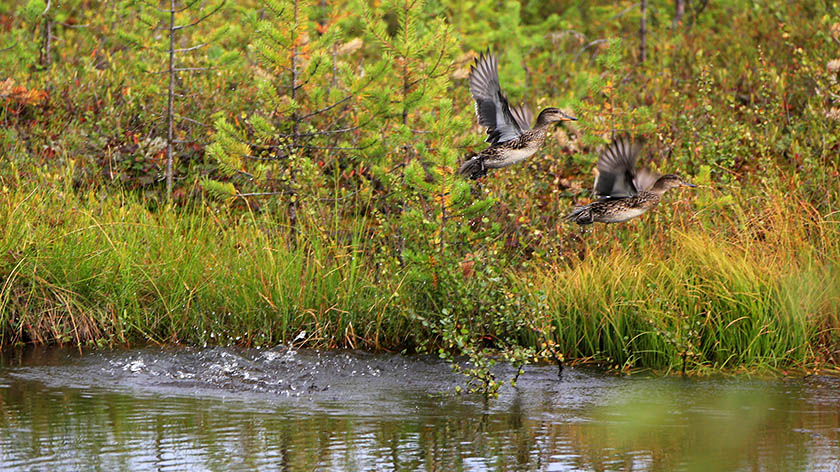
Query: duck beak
(688, 184)
(566, 117)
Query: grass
(768, 295)
(80, 269)
(83, 269)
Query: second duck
(624, 191)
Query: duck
(509, 132)
(624, 192)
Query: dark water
(225, 409)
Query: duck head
(551, 115)
(669, 181)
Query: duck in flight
(509, 131)
(624, 191)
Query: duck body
(614, 210)
(511, 138)
(504, 154)
(625, 192)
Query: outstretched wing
(617, 177)
(644, 179)
(522, 115)
(491, 106)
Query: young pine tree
(436, 231)
(305, 122)
(416, 154)
(175, 20)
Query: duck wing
(644, 179)
(616, 174)
(491, 106)
(523, 116)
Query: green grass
(84, 268)
(706, 299)
(92, 270)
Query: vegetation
(314, 196)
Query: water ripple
(286, 409)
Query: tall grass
(83, 268)
(760, 290)
(754, 285)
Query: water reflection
(96, 412)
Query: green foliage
(305, 103)
(33, 10)
(219, 189)
(333, 132)
(429, 209)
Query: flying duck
(624, 192)
(509, 131)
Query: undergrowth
(315, 196)
(95, 270)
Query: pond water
(281, 409)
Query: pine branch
(273, 8)
(325, 109)
(150, 25)
(301, 84)
(356, 148)
(312, 74)
(193, 23)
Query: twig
(272, 158)
(308, 146)
(192, 120)
(643, 33)
(188, 141)
(624, 12)
(170, 102)
(265, 194)
(185, 69)
(192, 48)
(592, 43)
(327, 108)
(197, 21)
(187, 6)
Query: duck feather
(491, 105)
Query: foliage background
(315, 198)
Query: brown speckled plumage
(509, 129)
(625, 192)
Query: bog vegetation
(257, 172)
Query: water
(280, 409)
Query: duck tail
(580, 215)
(473, 168)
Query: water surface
(282, 409)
